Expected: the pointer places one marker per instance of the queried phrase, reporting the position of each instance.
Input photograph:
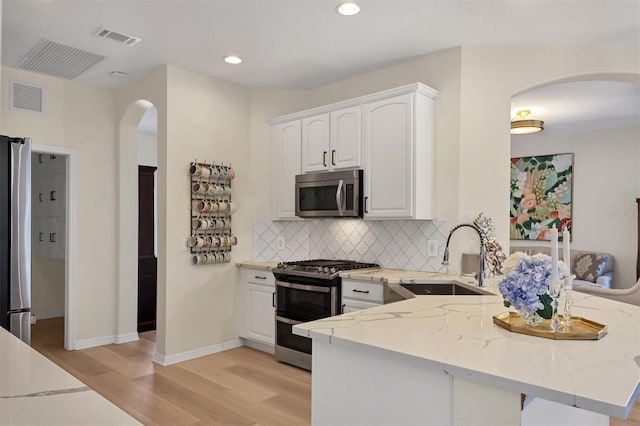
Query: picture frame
(541, 196)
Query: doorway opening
(147, 221)
(52, 238)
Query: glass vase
(532, 319)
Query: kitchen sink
(447, 288)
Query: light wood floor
(241, 386)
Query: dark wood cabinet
(147, 262)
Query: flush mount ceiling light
(348, 9)
(523, 125)
(232, 60)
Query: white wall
(605, 188)
(82, 118)
(490, 77)
(207, 119)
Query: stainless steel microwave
(329, 194)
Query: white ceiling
(302, 43)
(582, 105)
(296, 44)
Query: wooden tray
(579, 328)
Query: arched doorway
(128, 217)
(595, 120)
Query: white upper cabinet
(315, 143)
(398, 157)
(286, 139)
(346, 139)
(332, 141)
(389, 134)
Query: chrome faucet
(483, 251)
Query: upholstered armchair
(627, 295)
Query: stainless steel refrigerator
(15, 236)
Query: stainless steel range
(306, 291)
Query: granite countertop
(457, 334)
(34, 390)
(256, 265)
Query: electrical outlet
(280, 243)
(432, 248)
(183, 244)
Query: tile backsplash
(400, 244)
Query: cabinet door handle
(273, 299)
(40, 160)
(333, 157)
(40, 196)
(343, 306)
(41, 236)
(52, 237)
(324, 158)
(258, 277)
(52, 195)
(355, 290)
(365, 204)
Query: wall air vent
(26, 97)
(117, 36)
(58, 60)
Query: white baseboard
(196, 353)
(96, 341)
(270, 349)
(47, 315)
(105, 340)
(127, 337)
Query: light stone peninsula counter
(441, 360)
(35, 391)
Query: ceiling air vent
(26, 97)
(117, 36)
(59, 60)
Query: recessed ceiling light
(232, 59)
(348, 9)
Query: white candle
(554, 257)
(566, 250)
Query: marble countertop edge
(253, 264)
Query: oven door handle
(288, 321)
(339, 198)
(303, 287)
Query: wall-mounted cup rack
(211, 207)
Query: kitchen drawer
(369, 291)
(258, 276)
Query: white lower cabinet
(256, 311)
(357, 295)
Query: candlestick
(566, 251)
(554, 258)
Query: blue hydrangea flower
(526, 282)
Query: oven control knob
(332, 270)
(282, 266)
(319, 268)
(325, 269)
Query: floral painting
(541, 190)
